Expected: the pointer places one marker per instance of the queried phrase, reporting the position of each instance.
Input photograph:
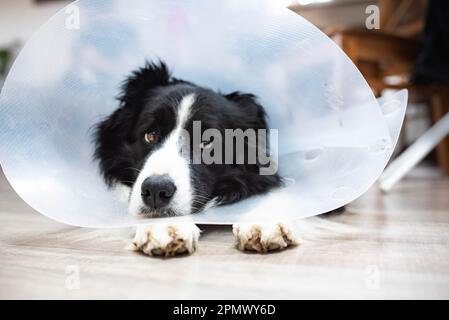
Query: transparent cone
(334, 137)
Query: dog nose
(157, 191)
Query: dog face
(149, 144)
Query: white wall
(20, 18)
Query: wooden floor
(403, 252)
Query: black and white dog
(143, 147)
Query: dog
(147, 148)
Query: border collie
(149, 146)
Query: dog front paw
(264, 237)
(166, 239)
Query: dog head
(153, 141)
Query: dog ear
(135, 90)
(113, 146)
(254, 112)
(136, 87)
(114, 135)
(247, 181)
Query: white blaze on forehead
(168, 160)
(184, 110)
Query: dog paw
(166, 239)
(264, 237)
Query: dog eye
(206, 144)
(152, 137)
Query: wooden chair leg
(439, 107)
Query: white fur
(169, 160)
(166, 239)
(264, 237)
(122, 192)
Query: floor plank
(402, 251)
